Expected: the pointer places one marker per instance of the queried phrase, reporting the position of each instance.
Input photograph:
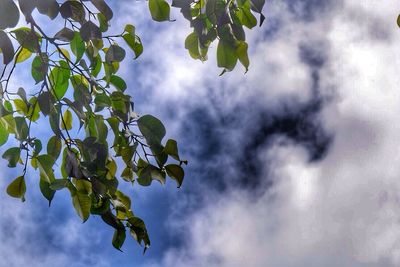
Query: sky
(293, 164)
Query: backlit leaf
(17, 188)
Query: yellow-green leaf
(23, 55)
(66, 123)
(17, 188)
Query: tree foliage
(98, 140)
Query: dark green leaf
(102, 6)
(9, 14)
(22, 130)
(40, 65)
(175, 172)
(115, 53)
(47, 192)
(46, 102)
(12, 155)
(65, 34)
(102, 101)
(90, 31)
(59, 184)
(73, 10)
(171, 148)
(151, 128)
(119, 238)
(28, 39)
(48, 7)
(7, 49)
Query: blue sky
(295, 163)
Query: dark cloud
(310, 10)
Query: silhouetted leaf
(7, 49)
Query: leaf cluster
(221, 20)
(98, 140)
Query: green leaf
(17, 188)
(28, 39)
(103, 23)
(246, 17)
(102, 101)
(241, 52)
(77, 46)
(139, 231)
(9, 14)
(12, 155)
(54, 147)
(124, 199)
(38, 147)
(82, 203)
(127, 174)
(151, 128)
(175, 172)
(398, 20)
(45, 189)
(6, 46)
(149, 173)
(21, 127)
(33, 110)
(59, 184)
(20, 106)
(9, 123)
(45, 163)
(119, 238)
(171, 148)
(226, 56)
(83, 186)
(192, 45)
(118, 82)
(134, 42)
(3, 134)
(59, 79)
(159, 10)
(40, 65)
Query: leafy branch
(77, 87)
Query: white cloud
(343, 210)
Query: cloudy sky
(294, 164)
